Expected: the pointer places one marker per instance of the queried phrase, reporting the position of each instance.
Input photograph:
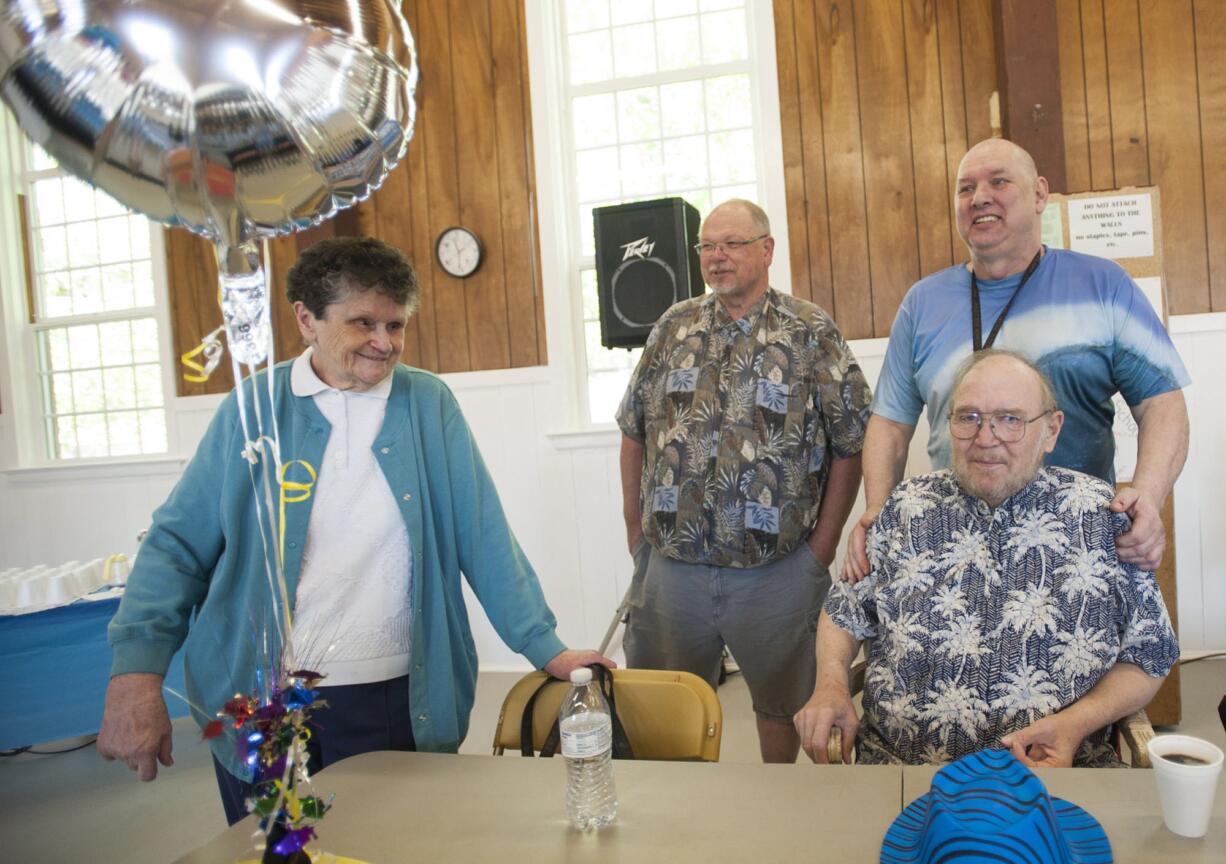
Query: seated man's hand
(1144, 543)
(573, 658)
(135, 724)
(1048, 742)
(829, 706)
(855, 563)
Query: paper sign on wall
(1119, 226)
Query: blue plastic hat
(989, 807)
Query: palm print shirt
(983, 620)
(739, 421)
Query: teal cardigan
(204, 556)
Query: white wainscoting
(562, 493)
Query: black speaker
(645, 262)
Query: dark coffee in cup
(1184, 759)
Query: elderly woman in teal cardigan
(400, 505)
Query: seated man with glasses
(997, 611)
(740, 458)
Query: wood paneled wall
(469, 163)
(879, 101)
(1143, 86)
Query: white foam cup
(1186, 791)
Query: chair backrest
(667, 715)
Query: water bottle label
(585, 736)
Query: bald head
(1003, 150)
(757, 216)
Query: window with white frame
(93, 317)
(660, 101)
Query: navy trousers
(360, 718)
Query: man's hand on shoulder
(135, 724)
(1142, 545)
(855, 563)
(829, 706)
(573, 658)
(1048, 742)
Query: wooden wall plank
(1129, 145)
(1098, 95)
(792, 136)
(978, 67)
(1210, 28)
(1073, 96)
(840, 110)
(953, 112)
(929, 149)
(542, 350)
(1168, 39)
(436, 121)
(512, 122)
(813, 140)
(889, 181)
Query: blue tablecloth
(54, 668)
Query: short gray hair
(1047, 392)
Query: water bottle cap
(582, 675)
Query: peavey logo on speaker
(639, 248)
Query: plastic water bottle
(587, 745)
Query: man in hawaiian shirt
(998, 610)
(740, 460)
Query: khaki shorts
(682, 615)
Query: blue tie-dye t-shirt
(1081, 319)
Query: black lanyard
(1000, 319)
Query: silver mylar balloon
(237, 119)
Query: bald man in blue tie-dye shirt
(1081, 319)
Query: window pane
(144, 340)
(598, 172)
(590, 57)
(123, 431)
(108, 206)
(728, 103)
(634, 50)
(148, 385)
(57, 347)
(642, 169)
(595, 120)
(587, 289)
(631, 11)
(117, 287)
(638, 114)
(48, 202)
(61, 393)
(87, 392)
(732, 156)
(39, 160)
(682, 108)
(53, 253)
(66, 438)
(113, 241)
(115, 339)
(83, 244)
(685, 162)
(677, 43)
(586, 14)
(138, 229)
(78, 200)
(91, 435)
(153, 431)
(711, 5)
(86, 291)
(83, 346)
(723, 37)
(120, 387)
(142, 283)
(57, 294)
(723, 193)
(671, 8)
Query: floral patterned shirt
(982, 621)
(739, 421)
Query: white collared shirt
(352, 613)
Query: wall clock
(459, 252)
